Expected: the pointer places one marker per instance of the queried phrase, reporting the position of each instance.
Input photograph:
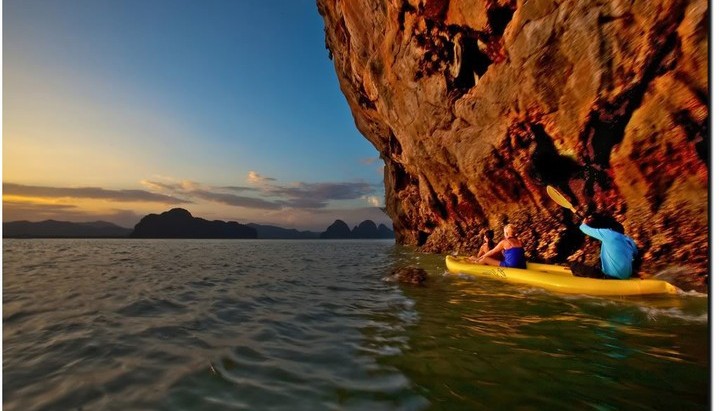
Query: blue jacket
(618, 251)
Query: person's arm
(483, 249)
(495, 250)
(592, 232)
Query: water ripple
(310, 325)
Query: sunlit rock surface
(475, 106)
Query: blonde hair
(508, 230)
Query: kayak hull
(559, 279)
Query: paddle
(558, 198)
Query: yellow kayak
(559, 279)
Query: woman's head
(488, 235)
(509, 230)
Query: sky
(230, 109)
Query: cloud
(297, 195)
(371, 161)
(237, 201)
(215, 194)
(184, 186)
(188, 185)
(89, 192)
(30, 211)
(368, 161)
(300, 199)
(158, 186)
(173, 186)
(323, 191)
(304, 203)
(373, 201)
(316, 195)
(237, 188)
(253, 177)
(28, 205)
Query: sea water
(319, 325)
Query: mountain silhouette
(179, 223)
(385, 232)
(274, 232)
(63, 229)
(338, 229)
(366, 229)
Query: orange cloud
(20, 190)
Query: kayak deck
(559, 279)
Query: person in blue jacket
(511, 248)
(619, 254)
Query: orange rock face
(475, 106)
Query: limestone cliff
(475, 106)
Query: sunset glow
(102, 122)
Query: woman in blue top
(511, 248)
(619, 253)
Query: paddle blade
(558, 198)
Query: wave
(655, 313)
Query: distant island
(278, 233)
(63, 229)
(179, 223)
(366, 229)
